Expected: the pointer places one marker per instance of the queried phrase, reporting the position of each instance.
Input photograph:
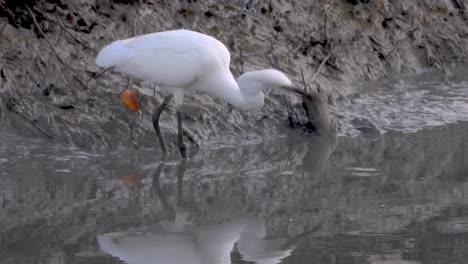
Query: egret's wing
(171, 58)
(168, 63)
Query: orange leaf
(129, 97)
(130, 180)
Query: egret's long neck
(226, 88)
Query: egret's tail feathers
(113, 54)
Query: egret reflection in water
(179, 241)
(184, 243)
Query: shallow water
(408, 103)
(395, 198)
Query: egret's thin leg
(155, 119)
(180, 135)
(180, 182)
(156, 187)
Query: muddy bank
(47, 87)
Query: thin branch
(306, 88)
(45, 37)
(239, 70)
(238, 63)
(3, 28)
(241, 62)
(133, 26)
(1, 34)
(99, 75)
(287, 105)
(325, 35)
(52, 48)
(62, 25)
(33, 124)
(266, 40)
(80, 82)
(320, 68)
(140, 110)
(60, 36)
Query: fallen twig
(325, 35)
(239, 70)
(238, 62)
(45, 37)
(241, 62)
(33, 124)
(306, 88)
(328, 47)
(320, 68)
(60, 36)
(99, 75)
(62, 25)
(3, 28)
(52, 47)
(80, 82)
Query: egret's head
(262, 80)
(253, 83)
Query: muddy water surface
(394, 198)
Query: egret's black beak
(295, 90)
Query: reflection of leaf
(129, 97)
(131, 180)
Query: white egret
(181, 60)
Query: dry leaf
(129, 97)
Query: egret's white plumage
(189, 60)
(181, 60)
